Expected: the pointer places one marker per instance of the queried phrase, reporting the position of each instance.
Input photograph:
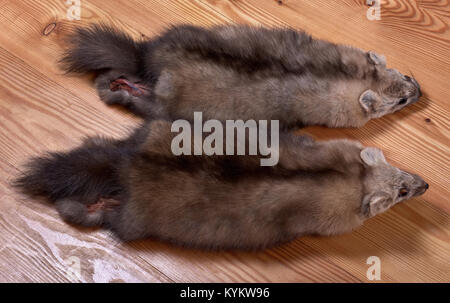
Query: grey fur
(243, 72)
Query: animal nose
(419, 91)
(427, 186)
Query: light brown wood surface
(42, 109)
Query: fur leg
(119, 88)
(74, 211)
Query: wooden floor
(41, 109)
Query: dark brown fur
(218, 202)
(242, 72)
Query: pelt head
(386, 185)
(389, 90)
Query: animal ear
(377, 59)
(368, 101)
(372, 156)
(376, 204)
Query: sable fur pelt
(240, 72)
(138, 188)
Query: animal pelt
(240, 72)
(138, 188)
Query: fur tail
(86, 173)
(79, 182)
(101, 47)
(85, 183)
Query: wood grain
(42, 109)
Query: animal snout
(419, 91)
(422, 188)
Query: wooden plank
(42, 109)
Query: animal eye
(402, 101)
(403, 192)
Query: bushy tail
(100, 47)
(86, 174)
